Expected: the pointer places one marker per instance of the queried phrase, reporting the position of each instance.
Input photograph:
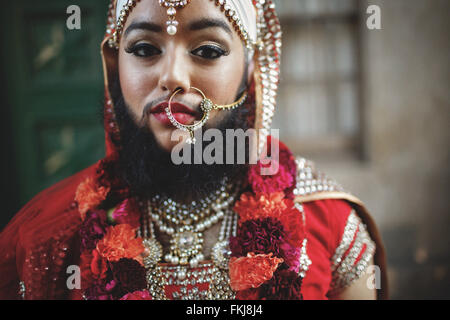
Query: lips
(181, 113)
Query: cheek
(134, 82)
(228, 80)
(223, 86)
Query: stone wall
(405, 180)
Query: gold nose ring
(206, 106)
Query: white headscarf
(244, 9)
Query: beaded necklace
(190, 280)
(186, 223)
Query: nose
(174, 72)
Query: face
(205, 53)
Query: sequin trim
(347, 238)
(345, 270)
(305, 261)
(310, 181)
(22, 290)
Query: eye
(209, 52)
(143, 50)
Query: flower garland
(266, 250)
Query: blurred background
(371, 107)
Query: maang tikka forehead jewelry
(206, 106)
(172, 6)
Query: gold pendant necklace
(186, 223)
(188, 279)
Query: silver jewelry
(214, 275)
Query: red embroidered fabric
(326, 220)
(41, 241)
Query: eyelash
(134, 49)
(137, 49)
(212, 49)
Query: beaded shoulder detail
(356, 248)
(353, 254)
(311, 181)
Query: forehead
(151, 10)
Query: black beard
(147, 169)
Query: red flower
(100, 290)
(275, 182)
(249, 294)
(89, 194)
(292, 220)
(93, 268)
(129, 276)
(120, 242)
(258, 236)
(252, 271)
(137, 295)
(287, 159)
(92, 229)
(284, 285)
(99, 266)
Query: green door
(52, 95)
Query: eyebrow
(210, 23)
(142, 25)
(197, 25)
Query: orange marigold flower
(252, 271)
(292, 221)
(273, 205)
(259, 206)
(120, 242)
(89, 195)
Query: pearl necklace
(186, 223)
(215, 274)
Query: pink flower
(276, 182)
(127, 213)
(93, 229)
(291, 256)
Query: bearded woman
(136, 225)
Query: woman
(140, 227)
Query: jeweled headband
(241, 14)
(255, 21)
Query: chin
(164, 138)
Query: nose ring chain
(206, 106)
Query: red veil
(36, 246)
